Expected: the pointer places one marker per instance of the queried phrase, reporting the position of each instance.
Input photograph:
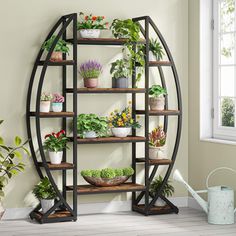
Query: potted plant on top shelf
(157, 99)
(45, 101)
(90, 26)
(61, 47)
(55, 143)
(45, 193)
(122, 122)
(167, 191)
(57, 102)
(90, 71)
(156, 52)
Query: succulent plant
(157, 138)
(86, 173)
(128, 171)
(46, 96)
(58, 98)
(96, 173)
(119, 172)
(108, 173)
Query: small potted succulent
(156, 52)
(122, 122)
(61, 47)
(157, 140)
(45, 193)
(55, 143)
(45, 102)
(157, 99)
(108, 176)
(121, 71)
(90, 26)
(90, 72)
(167, 191)
(57, 102)
(91, 126)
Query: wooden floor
(188, 222)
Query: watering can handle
(212, 172)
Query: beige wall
(24, 25)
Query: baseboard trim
(92, 208)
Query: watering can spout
(178, 177)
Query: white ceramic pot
(56, 106)
(157, 104)
(152, 57)
(90, 134)
(45, 106)
(46, 204)
(157, 152)
(55, 157)
(1, 210)
(121, 132)
(160, 203)
(89, 33)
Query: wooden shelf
(53, 114)
(129, 139)
(159, 63)
(155, 162)
(62, 166)
(107, 90)
(154, 210)
(160, 113)
(90, 189)
(58, 63)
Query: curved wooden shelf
(53, 114)
(107, 90)
(155, 162)
(62, 166)
(159, 63)
(57, 63)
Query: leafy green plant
(168, 189)
(156, 48)
(61, 45)
(91, 122)
(44, 190)
(157, 138)
(11, 160)
(108, 173)
(121, 69)
(157, 91)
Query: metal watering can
(220, 205)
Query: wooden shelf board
(107, 90)
(53, 114)
(154, 210)
(155, 162)
(160, 63)
(57, 63)
(160, 113)
(90, 189)
(62, 166)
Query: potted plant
(57, 102)
(157, 100)
(90, 72)
(45, 193)
(55, 143)
(10, 163)
(90, 26)
(167, 191)
(122, 122)
(121, 71)
(45, 102)
(91, 126)
(155, 50)
(61, 47)
(157, 140)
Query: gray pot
(120, 82)
(46, 204)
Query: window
(224, 69)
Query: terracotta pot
(56, 56)
(44, 106)
(55, 157)
(121, 132)
(89, 33)
(1, 210)
(46, 204)
(157, 152)
(120, 82)
(91, 83)
(56, 106)
(157, 104)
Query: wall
(24, 25)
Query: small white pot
(121, 132)
(55, 157)
(1, 210)
(89, 33)
(157, 152)
(46, 204)
(56, 106)
(45, 106)
(157, 104)
(160, 203)
(152, 57)
(90, 134)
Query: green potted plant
(61, 47)
(122, 122)
(157, 99)
(55, 143)
(45, 101)
(167, 191)
(91, 126)
(157, 141)
(57, 102)
(10, 163)
(90, 71)
(45, 193)
(90, 26)
(121, 72)
(156, 52)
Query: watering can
(220, 205)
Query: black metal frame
(61, 203)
